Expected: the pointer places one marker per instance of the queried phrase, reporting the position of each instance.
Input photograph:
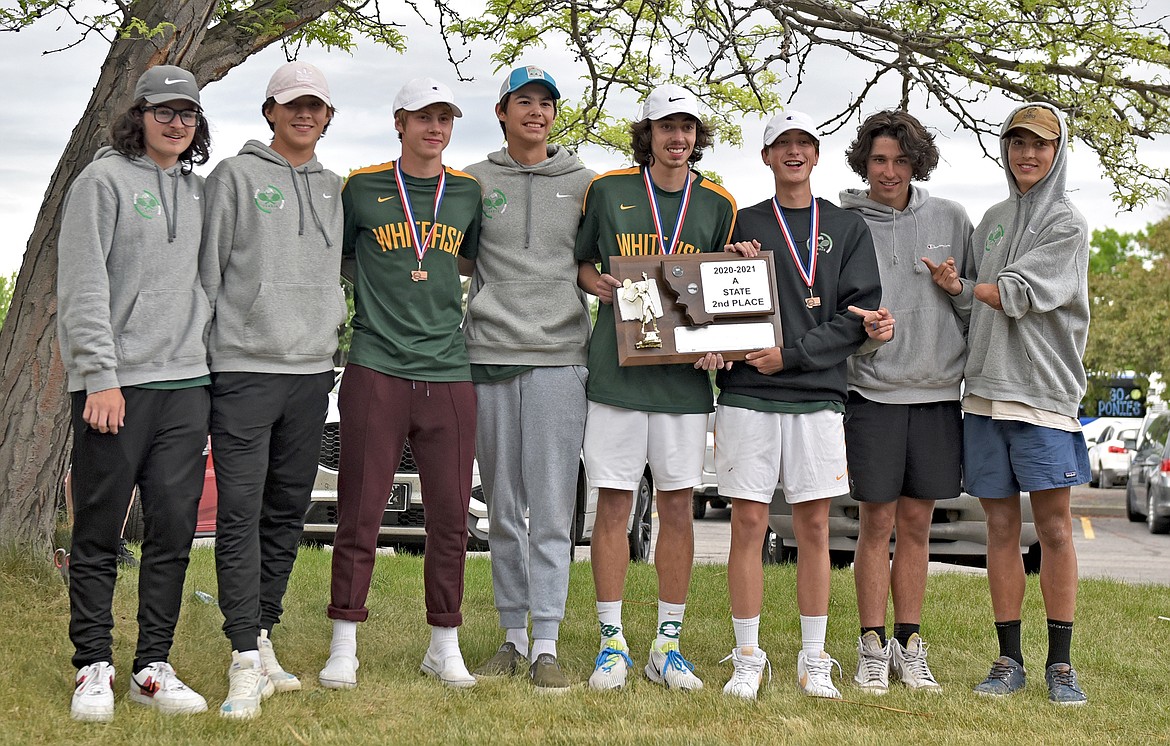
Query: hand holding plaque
(687, 305)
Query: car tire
(718, 503)
(699, 508)
(840, 559)
(771, 550)
(135, 530)
(639, 536)
(1032, 559)
(1105, 480)
(1134, 515)
(1156, 523)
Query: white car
(1110, 455)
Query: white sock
(250, 655)
(747, 632)
(812, 634)
(670, 618)
(519, 638)
(609, 615)
(344, 642)
(539, 647)
(444, 642)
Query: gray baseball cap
(163, 83)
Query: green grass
(1120, 650)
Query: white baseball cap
(295, 79)
(422, 92)
(669, 99)
(787, 121)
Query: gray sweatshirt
(1035, 247)
(130, 308)
(270, 263)
(924, 361)
(524, 306)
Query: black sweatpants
(265, 439)
(160, 449)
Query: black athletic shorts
(914, 450)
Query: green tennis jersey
(618, 221)
(403, 327)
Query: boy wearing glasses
(1024, 381)
(271, 264)
(131, 319)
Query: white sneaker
(748, 674)
(157, 686)
(669, 668)
(93, 695)
(450, 669)
(611, 666)
(815, 675)
(909, 664)
(282, 680)
(248, 686)
(340, 672)
(873, 664)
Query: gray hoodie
(924, 361)
(1035, 247)
(130, 309)
(524, 306)
(270, 263)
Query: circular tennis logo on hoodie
(494, 204)
(824, 243)
(147, 205)
(269, 198)
(993, 238)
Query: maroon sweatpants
(378, 413)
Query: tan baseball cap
(1039, 120)
(295, 79)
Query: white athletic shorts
(805, 453)
(620, 442)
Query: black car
(1147, 493)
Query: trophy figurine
(639, 294)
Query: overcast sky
(45, 95)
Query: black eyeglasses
(166, 115)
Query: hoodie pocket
(164, 326)
(534, 313)
(294, 320)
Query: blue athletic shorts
(1003, 457)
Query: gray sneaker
(546, 675)
(1063, 688)
(506, 662)
(1006, 677)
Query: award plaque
(676, 308)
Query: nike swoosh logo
(626, 207)
(562, 196)
(676, 98)
(330, 196)
(168, 81)
(839, 477)
(196, 196)
(387, 199)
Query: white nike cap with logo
(669, 99)
(163, 83)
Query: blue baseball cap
(522, 76)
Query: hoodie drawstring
(312, 207)
(172, 217)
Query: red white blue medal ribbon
(667, 247)
(807, 273)
(420, 244)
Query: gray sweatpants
(528, 443)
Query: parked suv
(1147, 493)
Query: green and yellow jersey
(403, 327)
(618, 222)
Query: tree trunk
(35, 404)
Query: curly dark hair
(640, 139)
(270, 103)
(128, 137)
(913, 138)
